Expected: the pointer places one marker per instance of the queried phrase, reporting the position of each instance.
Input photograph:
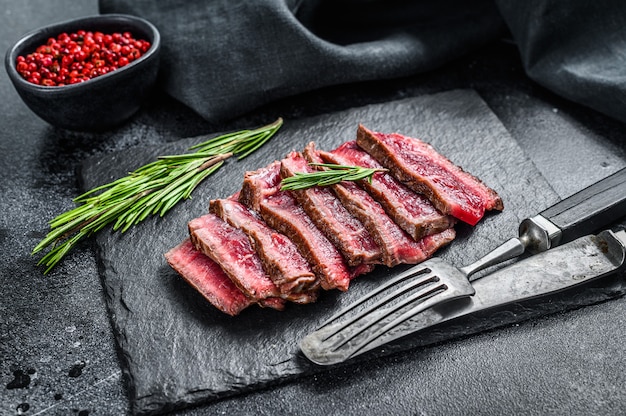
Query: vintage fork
(436, 281)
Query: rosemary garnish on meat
(150, 190)
(331, 175)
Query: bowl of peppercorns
(87, 74)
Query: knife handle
(580, 214)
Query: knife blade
(581, 261)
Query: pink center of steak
(281, 212)
(412, 211)
(419, 166)
(338, 225)
(207, 277)
(231, 249)
(279, 255)
(396, 245)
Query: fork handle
(580, 214)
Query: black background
(57, 352)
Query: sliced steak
(412, 211)
(279, 255)
(396, 245)
(259, 184)
(420, 167)
(431, 243)
(338, 225)
(280, 211)
(275, 303)
(231, 249)
(207, 277)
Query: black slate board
(178, 350)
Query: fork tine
(408, 274)
(411, 285)
(428, 291)
(449, 294)
(414, 284)
(418, 289)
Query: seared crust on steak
(341, 227)
(431, 243)
(420, 167)
(208, 278)
(279, 255)
(412, 211)
(281, 212)
(259, 184)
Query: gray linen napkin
(223, 58)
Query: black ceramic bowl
(101, 102)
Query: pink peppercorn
(78, 57)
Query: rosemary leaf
(152, 189)
(330, 175)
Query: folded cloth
(223, 58)
(576, 48)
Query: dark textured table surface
(57, 351)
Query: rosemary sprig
(153, 189)
(331, 175)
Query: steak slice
(396, 245)
(208, 278)
(231, 249)
(420, 167)
(412, 211)
(431, 243)
(279, 255)
(259, 184)
(338, 225)
(280, 211)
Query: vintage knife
(573, 264)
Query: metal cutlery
(546, 274)
(436, 281)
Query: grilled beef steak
(267, 246)
(328, 214)
(412, 211)
(420, 167)
(396, 245)
(280, 211)
(231, 249)
(280, 257)
(208, 278)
